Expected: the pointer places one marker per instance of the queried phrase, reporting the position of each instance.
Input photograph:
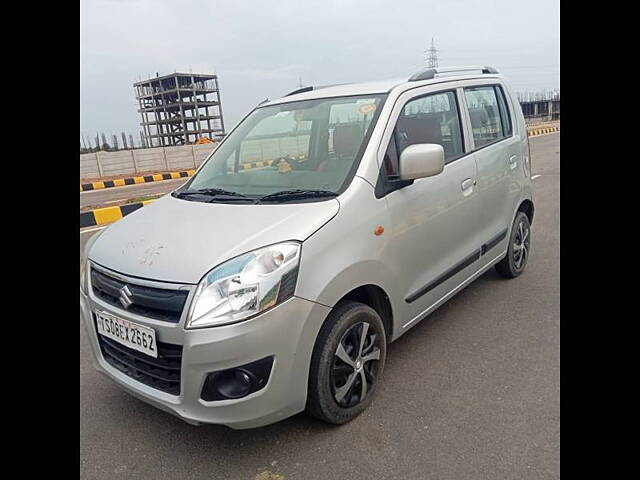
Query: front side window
(429, 119)
(305, 145)
(489, 118)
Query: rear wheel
(513, 264)
(348, 359)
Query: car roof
(379, 86)
(342, 90)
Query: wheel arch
(527, 207)
(375, 297)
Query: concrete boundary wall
(186, 157)
(131, 162)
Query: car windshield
(308, 148)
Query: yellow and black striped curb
(532, 132)
(249, 166)
(100, 216)
(120, 182)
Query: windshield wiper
(297, 193)
(210, 192)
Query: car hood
(179, 241)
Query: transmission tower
(432, 55)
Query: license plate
(129, 334)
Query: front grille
(162, 373)
(157, 303)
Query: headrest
(346, 140)
(479, 117)
(412, 130)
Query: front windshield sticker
(367, 108)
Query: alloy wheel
(355, 365)
(521, 245)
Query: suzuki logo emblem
(125, 297)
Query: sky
(261, 49)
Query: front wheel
(347, 361)
(512, 265)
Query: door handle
(468, 183)
(512, 161)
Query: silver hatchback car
(324, 226)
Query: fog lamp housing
(237, 382)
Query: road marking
(535, 176)
(129, 198)
(126, 187)
(92, 229)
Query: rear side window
(488, 112)
(429, 119)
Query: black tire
(514, 263)
(328, 371)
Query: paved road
(111, 196)
(472, 392)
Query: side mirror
(421, 160)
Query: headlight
(245, 286)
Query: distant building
(179, 108)
(541, 109)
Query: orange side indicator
(379, 230)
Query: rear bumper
(287, 332)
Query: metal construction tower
(179, 108)
(432, 55)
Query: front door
(435, 219)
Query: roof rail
(300, 90)
(431, 73)
(310, 88)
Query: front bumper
(287, 332)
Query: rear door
(498, 156)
